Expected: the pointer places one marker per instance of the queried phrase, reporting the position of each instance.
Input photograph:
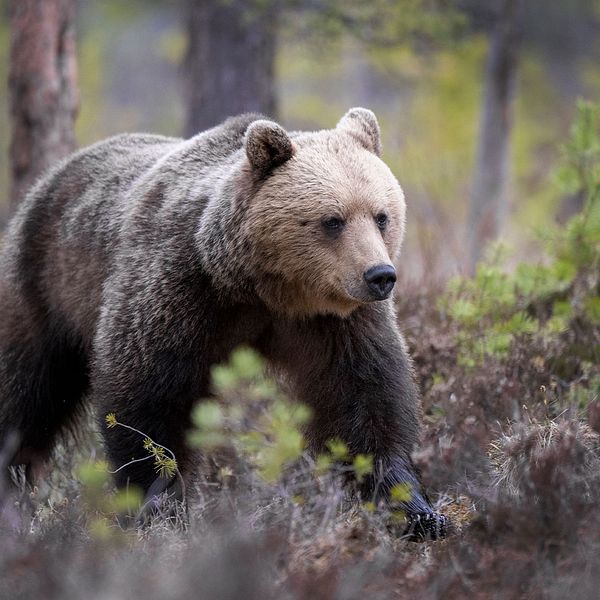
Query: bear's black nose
(380, 279)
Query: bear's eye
(382, 220)
(333, 224)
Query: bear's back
(61, 245)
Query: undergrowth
(549, 298)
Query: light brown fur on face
(304, 269)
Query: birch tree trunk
(42, 87)
(489, 196)
(230, 62)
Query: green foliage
(264, 427)
(582, 394)
(401, 492)
(497, 304)
(338, 449)
(284, 440)
(379, 22)
(165, 463)
(245, 368)
(580, 172)
(103, 506)
(208, 419)
(362, 465)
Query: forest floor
(510, 452)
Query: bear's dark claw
(427, 526)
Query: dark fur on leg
(43, 379)
(356, 376)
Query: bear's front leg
(150, 366)
(356, 376)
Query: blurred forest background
(473, 97)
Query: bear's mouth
(364, 296)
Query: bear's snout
(380, 280)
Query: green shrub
(547, 298)
(265, 427)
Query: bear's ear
(362, 124)
(267, 145)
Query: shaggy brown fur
(140, 262)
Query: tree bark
(489, 197)
(42, 86)
(230, 62)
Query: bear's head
(326, 220)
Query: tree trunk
(229, 67)
(42, 87)
(489, 197)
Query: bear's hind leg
(43, 378)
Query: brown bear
(138, 263)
